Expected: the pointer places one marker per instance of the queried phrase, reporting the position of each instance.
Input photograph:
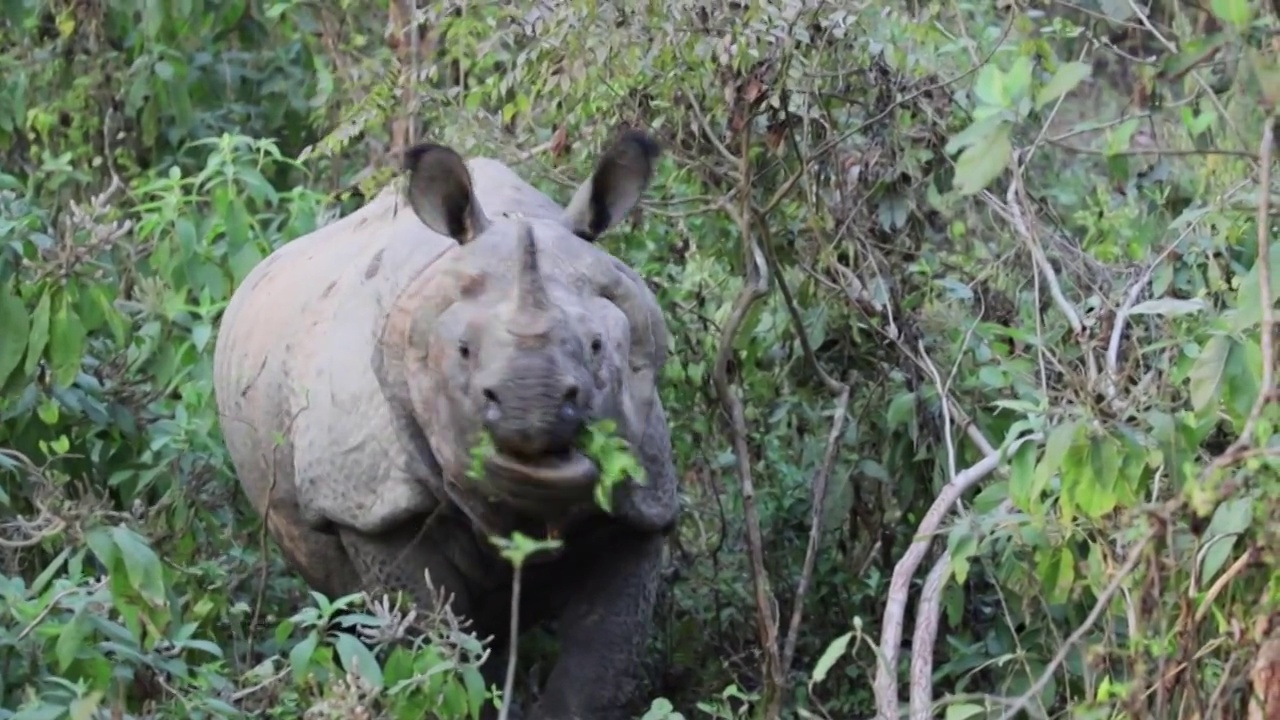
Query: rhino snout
(537, 421)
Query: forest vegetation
(972, 379)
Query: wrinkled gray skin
(356, 365)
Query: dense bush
(983, 285)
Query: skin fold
(356, 367)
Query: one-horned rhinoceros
(356, 367)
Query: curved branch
(886, 681)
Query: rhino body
(355, 367)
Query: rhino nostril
(490, 395)
(571, 393)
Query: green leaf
(1206, 375)
(901, 410)
(1231, 518)
(981, 162)
(354, 655)
(84, 708)
(102, 545)
(1023, 488)
(1104, 467)
(1232, 12)
(476, 691)
(1068, 76)
(990, 86)
(1055, 451)
(1248, 309)
(300, 656)
(140, 563)
(15, 325)
(39, 336)
(1169, 307)
(963, 544)
(66, 342)
(829, 657)
(243, 260)
(71, 639)
(963, 711)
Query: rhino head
(526, 329)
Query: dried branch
(818, 501)
(754, 289)
(886, 682)
(928, 610)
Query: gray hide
(354, 366)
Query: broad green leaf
(85, 708)
(1058, 573)
(963, 544)
(1077, 475)
(300, 656)
(1068, 76)
(1206, 375)
(1248, 310)
(476, 692)
(963, 711)
(1242, 377)
(990, 86)
(355, 656)
(141, 564)
(829, 657)
(66, 342)
(1232, 12)
(71, 639)
(1055, 450)
(901, 409)
(1231, 518)
(1168, 307)
(1023, 488)
(39, 337)
(983, 161)
(242, 260)
(1104, 466)
(15, 326)
(102, 545)
(975, 133)
(1215, 555)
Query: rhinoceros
(357, 366)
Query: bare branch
(886, 682)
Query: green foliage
(960, 213)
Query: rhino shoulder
(308, 320)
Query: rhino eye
(463, 351)
(596, 346)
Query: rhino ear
(440, 192)
(615, 187)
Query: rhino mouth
(564, 475)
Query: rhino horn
(531, 316)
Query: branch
(886, 682)
(1267, 391)
(927, 612)
(754, 289)
(818, 502)
(1103, 600)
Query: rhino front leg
(604, 633)
(399, 559)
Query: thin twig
(818, 503)
(1103, 601)
(508, 685)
